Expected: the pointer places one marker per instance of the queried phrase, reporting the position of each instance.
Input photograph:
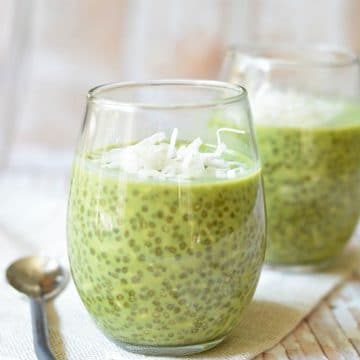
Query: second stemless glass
(166, 225)
(306, 110)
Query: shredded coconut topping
(158, 157)
(290, 108)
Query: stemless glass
(166, 224)
(307, 119)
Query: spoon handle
(40, 330)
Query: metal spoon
(41, 279)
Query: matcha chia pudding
(166, 239)
(310, 152)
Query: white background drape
(52, 52)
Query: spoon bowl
(41, 279)
(37, 276)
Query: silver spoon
(41, 279)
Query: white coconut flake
(192, 154)
(153, 139)
(221, 145)
(231, 173)
(290, 108)
(157, 157)
(171, 151)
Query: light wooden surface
(332, 331)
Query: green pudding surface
(311, 168)
(164, 262)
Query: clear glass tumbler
(166, 224)
(306, 110)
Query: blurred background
(53, 51)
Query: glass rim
(347, 57)
(96, 94)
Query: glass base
(177, 350)
(302, 268)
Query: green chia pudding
(160, 258)
(310, 152)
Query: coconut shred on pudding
(163, 230)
